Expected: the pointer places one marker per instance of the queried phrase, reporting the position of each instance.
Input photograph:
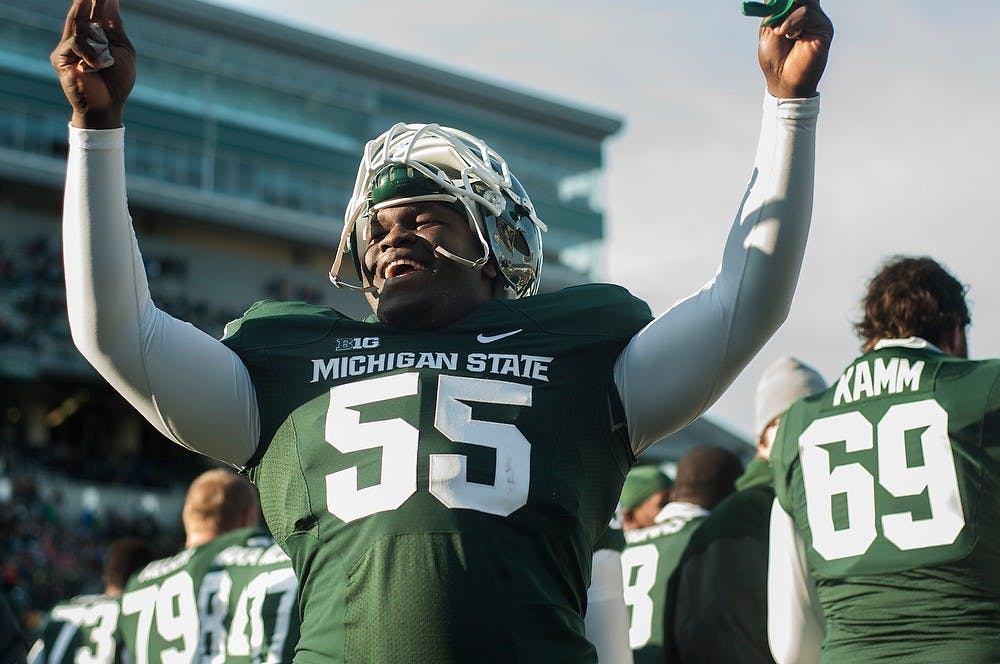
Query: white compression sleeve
(677, 366)
(794, 616)
(606, 622)
(191, 387)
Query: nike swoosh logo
(483, 339)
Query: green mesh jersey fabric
(648, 563)
(163, 603)
(893, 478)
(440, 493)
(613, 538)
(81, 629)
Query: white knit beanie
(782, 384)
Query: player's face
(766, 440)
(418, 288)
(644, 514)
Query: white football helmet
(427, 162)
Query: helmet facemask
(429, 163)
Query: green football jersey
(247, 603)
(651, 555)
(718, 593)
(440, 493)
(82, 630)
(162, 603)
(893, 479)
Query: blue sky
(907, 154)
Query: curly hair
(912, 297)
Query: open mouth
(401, 267)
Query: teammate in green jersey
(719, 608)
(887, 488)
(705, 475)
(84, 629)
(246, 602)
(439, 474)
(161, 603)
(607, 620)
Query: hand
(97, 95)
(793, 54)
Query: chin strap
(340, 283)
(478, 264)
(476, 227)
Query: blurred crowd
(33, 300)
(46, 556)
(33, 296)
(156, 465)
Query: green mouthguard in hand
(773, 11)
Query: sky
(908, 138)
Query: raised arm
(191, 387)
(677, 367)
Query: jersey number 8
(639, 565)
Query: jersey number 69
(896, 474)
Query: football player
(719, 591)
(439, 474)
(887, 487)
(85, 628)
(174, 608)
(705, 475)
(246, 603)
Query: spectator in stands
(705, 475)
(84, 628)
(719, 591)
(646, 491)
(884, 538)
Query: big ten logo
(357, 343)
